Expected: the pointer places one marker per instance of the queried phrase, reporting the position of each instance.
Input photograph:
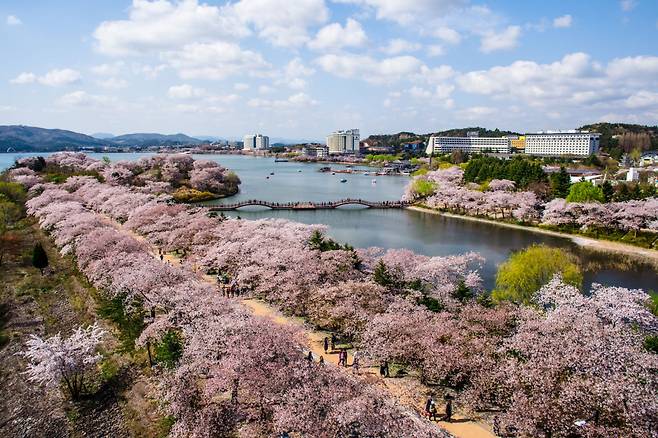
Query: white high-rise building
(562, 143)
(256, 141)
(472, 143)
(343, 142)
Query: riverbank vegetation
(583, 212)
(562, 366)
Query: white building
(343, 142)
(256, 141)
(562, 143)
(472, 143)
(316, 151)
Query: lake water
(422, 232)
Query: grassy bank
(597, 242)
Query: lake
(421, 232)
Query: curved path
(407, 390)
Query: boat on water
(366, 173)
(271, 173)
(333, 173)
(343, 180)
(280, 160)
(374, 181)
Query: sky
(300, 69)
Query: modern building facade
(562, 143)
(472, 144)
(518, 143)
(343, 142)
(316, 151)
(256, 141)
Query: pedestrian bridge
(309, 205)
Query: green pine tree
(39, 258)
(560, 183)
(608, 191)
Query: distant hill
(32, 139)
(152, 139)
(102, 135)
(617, 138)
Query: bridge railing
(326, 204)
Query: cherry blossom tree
(58, 359)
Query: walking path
(407, 390)
(646, 254)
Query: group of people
(432, 412)
(342, 353)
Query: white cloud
(166, 25)
(216, 60)
(265, 89)
(299, 100)
(563, 21)
(507, 39)
(54, 78)
(408, 11)
(627, 5)
(435, 50)
(58, 77)
(386, 70)
(112, 69)
(113, 83)
(334, 36)
(398, 45)
(185, 91)
(24, 78)
(447, 35)
(84, 99)
(642, 99)
(475, 113)
(282, 24)
(150, 71)
(13, 20)
(240, 86)
(293, 75)
(7, 108)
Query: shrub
(169, 349)
(525, 272)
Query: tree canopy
(525, 272)
(585, 191)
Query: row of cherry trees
(237, 371)
(155, 174)
(589, 376)
(500, 200)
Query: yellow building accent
(518, 143)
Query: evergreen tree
(608, 191)
(560, 183)
(39, 257)
(382, 276)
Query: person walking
(433, 411)
(355, 361)
(326, 344)
(309, 358)
(333, 342)
(448, 416)
(321, 361)
(385, 368)
(428, 405)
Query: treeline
(522, 171)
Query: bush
(186, 195)
(424, 188)
(525, 272)
(585, 191)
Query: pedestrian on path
(321, 361)
(309, 358)
(428, 405)
(333, 342)
(355, 361)
(448, 416)
(161, 257)
(326, 344)
(433, 412)
(383, 369)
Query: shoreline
(599, 245)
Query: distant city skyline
(307, 68)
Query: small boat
(280, 160)
(366, 173)
(374, 181)
(333, 173)
(271, 173)
(267, 177)
(343, 180)
(299, 170)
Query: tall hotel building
(343, 142)
(472, 143)
(562, 143)
(256, 141)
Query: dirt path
(406, 389)
(645, 254)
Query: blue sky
(302, 68)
